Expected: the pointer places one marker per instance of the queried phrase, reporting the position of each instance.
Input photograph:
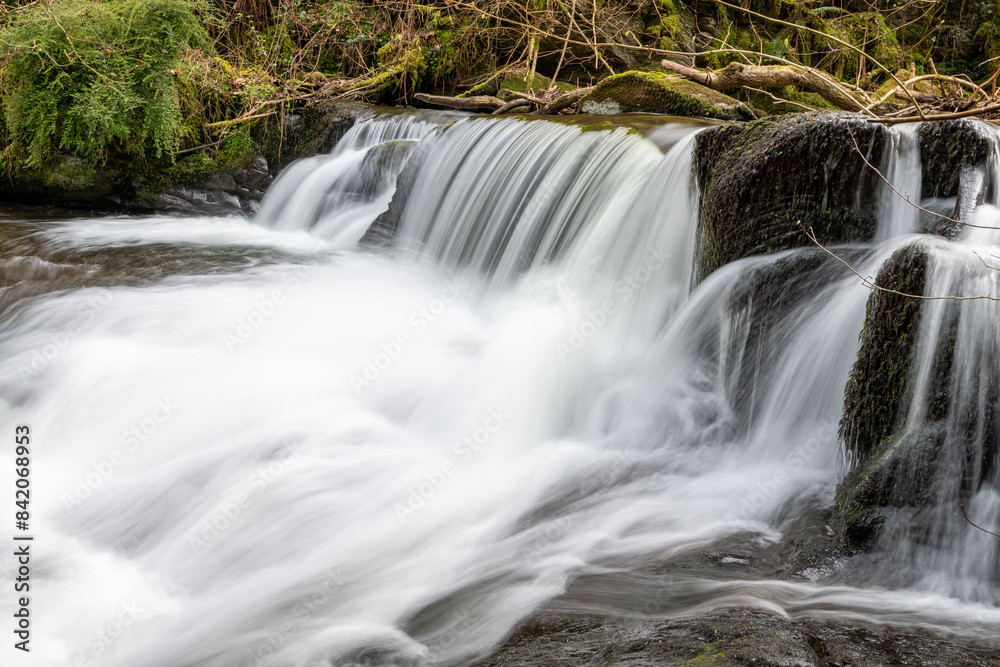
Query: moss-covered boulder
(655, 92)
(946, 149)
(911, 456)
(759, 180)
(875, 391)
(65, 180)
(876, 395)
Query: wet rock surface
(946, 149)
(723, 638)
(760, 180)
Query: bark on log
(511, 106)
(481, 102)
(737, 75)
(565, 100)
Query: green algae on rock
(655, 92)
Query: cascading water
(899, 216)
(318, 455)
(337, 196)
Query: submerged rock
(655, 92)
(759, 180)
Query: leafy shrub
(95, 77)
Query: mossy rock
(945, 148)
(760, 180)
(876, 389)
(655, 92)
(898, 464)
(65, 180)
(314, 130)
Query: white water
(393, 459)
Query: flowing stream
(260, 444)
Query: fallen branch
(242, 119)
(510, 106)
(739, 75)
(832, 38)
(869, 282)
(477, 102)
(965, 518)
(942, 116)
(563, 101)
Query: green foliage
(95, 77)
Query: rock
(759, 180)
(876, 396)
(945, 148)
(224, 182)
(66, 181)
(255, 177)
(315, 130)
(655, 92)
(382, 232)
(723, 638)
(760, 306)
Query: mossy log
(738, 75)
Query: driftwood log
(545, 103)
(477, 103)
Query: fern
(95, 78)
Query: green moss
(237, 152)
(876, 390)
(516, 81)
(655, 92)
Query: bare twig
(869, 281)
(860, 52)
(965, 518)
(942, 116)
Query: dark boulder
(759, 180)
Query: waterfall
(285, 450)
(337, 196)
(901, 188)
